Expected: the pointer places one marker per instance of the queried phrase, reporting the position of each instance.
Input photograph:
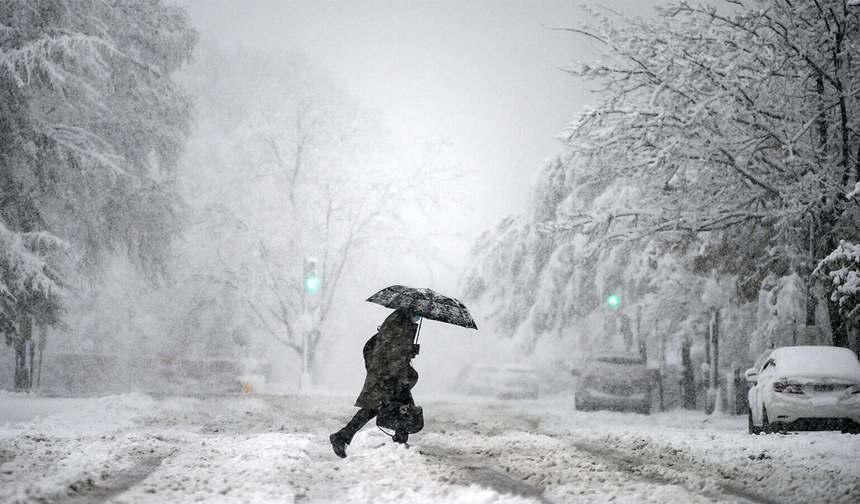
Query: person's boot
(400, 437)
(338, 444)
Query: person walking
(390, 376)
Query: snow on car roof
(816, 361)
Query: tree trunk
(716, 402)
(713, 360)
(688, 379)
(715, 342)
(32, 348)
(811, 303)
(837, 324)
(21, 376)
(23, 344)
(43, 342)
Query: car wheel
(753, 429)
(766, 427)
(850, 427)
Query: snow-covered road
(271, 448)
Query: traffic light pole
(310, 285)
(305, 380)
(305, 377)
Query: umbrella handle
(415, 345)
(418, 331)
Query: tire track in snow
(475, 473)
(637, 466)
(543, 463)
(90, 492)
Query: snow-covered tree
(91, 129)
(736, 134)
(722, 153)
(94, 123)
(744, 123)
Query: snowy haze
(484, 75)
(480, 82)
(376, 143)
(485, 78)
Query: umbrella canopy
(425, 303)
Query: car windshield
(614, 367)
(518, 370)
(619, 359)
(624, 371)
(485, 371)
(815, 362)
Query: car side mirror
(751, 375)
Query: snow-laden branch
(25, 266)
(840, 273)
(718, 122)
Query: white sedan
(805, 387)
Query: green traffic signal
(311, 283)
(612, 300)
(311, 280)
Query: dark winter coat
(390, 376)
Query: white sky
(482, 74)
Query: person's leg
(400, 437)
(343, 437)
(358, 421)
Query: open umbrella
(426, 303)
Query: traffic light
(311, 280)
(311, 283)
(612, 300)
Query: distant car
(805, 388)
(518, 381)
(614, 381)
(478, 379)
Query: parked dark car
(614, 381)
